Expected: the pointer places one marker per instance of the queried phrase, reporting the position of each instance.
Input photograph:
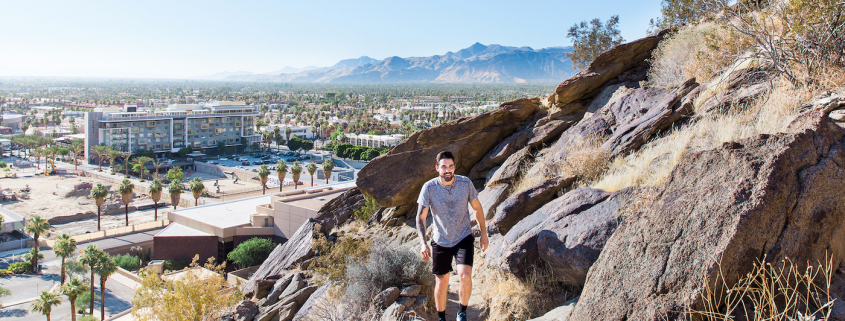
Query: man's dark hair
(445, 155)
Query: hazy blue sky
(179, 39)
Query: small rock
(838, 115)
(386, 297)
(419, 301)
(413, 290)
(245, 311)
(394, 312)
(407, 302)
(295, 284)
(287, 312)
(278, 289)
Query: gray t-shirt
(449, 208)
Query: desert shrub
(251, 252)
(695, 51)
(127, 262)
(771, 291)
(4, 272)
(385, 266)
(7, 169)
(20, 267)
(510, 298)
(2, 164)
(589, 40)
(366, 211)
(675, 13)
(4, 292)
(84, 299)
(332, 257)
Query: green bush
(84, 299)
(20, 267)
(2, 164)
(251, 252)
(127, 262)
(7, 170)
(4, 272)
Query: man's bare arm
(422, 213)
(479, 218)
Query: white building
(374, 140)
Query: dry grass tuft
(781, 291)
(586, 160)
(700, 51)
(650, 165)
(510, 298)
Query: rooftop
(313, 202)
(176, 229)
(226, 214)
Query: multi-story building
(169, 130)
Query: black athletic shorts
(441, 256)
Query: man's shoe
(462, 316)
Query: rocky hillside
(475, 64)
(645, 200)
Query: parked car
(223, 159)
(245, 163)
(213, 162)
(258, 162)
(254, 169)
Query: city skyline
(192, 39)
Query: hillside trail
(476, 310)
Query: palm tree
(100, 150)
(112, 156)
(125, 189)
(37, 153)
(196, 188)
(139, 165)
(263, 172)
(328, 166)
(277, 136)
(312, 168)
(287, 130)
(105, 268)
(76, 146)
(72, 289)
(64, 248)
(91, 257)
(157, 163)
(175, 190)
(126, 156)
(44, 303)
(99, 193)
(281, 171)
(36, 226)
(155, 193)
(295, 170)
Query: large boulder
(246, 310)
(560, 313)
(314, 305)
(739, 87)
(719, 212)
(469, 139)
(608, 65)
(491, 197)
(670, 109)
(510, 171)
(522, 204)
(576, 214)
(339, 209)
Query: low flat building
(216, 229)
(374, 140)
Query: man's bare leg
(465, 275)
(441, 289)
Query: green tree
(64, 247)
(175, 174)
(100, 151)
(125, 189)
(295, 170)
(589, 40)
(196, 189)
(112, 156)
(288, 131)
(175, 190)
(36, 226)
(73, 289)
(263, 173)
(674, 13)
(91, 257)
(328, 166)
(295, 143)
(99, 193)
(126, 156)
(281, 171)
(155, 194)
(251, 252)
(44, 303)
(312, 169)
(139, 167)
(104, 269)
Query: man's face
(446, 169)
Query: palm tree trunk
(63, 273)
(73, 309)
(91, 301)
(312, 180)
(127, 213)
(98, 218)
(102, 298)
(155, 205)
(48, 316)
(35, 257)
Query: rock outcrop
(522, 204)
(720, 211)
(412, 161)
(607, 66)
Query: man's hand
(426, 252)
(484, 241)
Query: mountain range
(475, 64)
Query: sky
(186, 39)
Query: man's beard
(447, 179)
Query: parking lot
(252, 163)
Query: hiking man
(446, 198)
